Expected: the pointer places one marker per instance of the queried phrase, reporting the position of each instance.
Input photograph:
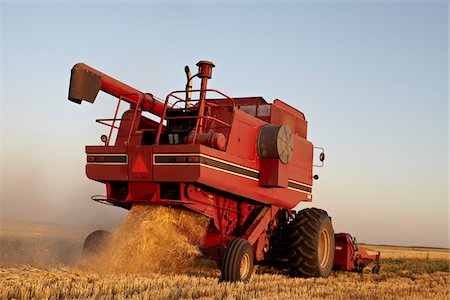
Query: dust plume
(39, 244)
(153, 239)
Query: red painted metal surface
(348, 256)
(202, 155)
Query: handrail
(182, 100)
(134, 117)
(164, 113)
(202, 117)
(207, 90)
(114, 119)
(210, 104)
(101, 121)
(198, 117)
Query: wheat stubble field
(44, 262)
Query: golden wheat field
(44, 262)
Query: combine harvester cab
(242, 162)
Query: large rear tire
(96, 242)
(310, 244)
(237, 263)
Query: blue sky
(371, 78)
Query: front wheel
(96, 242)
(237, 263)
(311, 244)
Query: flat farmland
(43, 262)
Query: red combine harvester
(242, 162)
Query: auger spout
(86, 82)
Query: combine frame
(242, 162)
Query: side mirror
(321, 156)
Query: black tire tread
(302, 235)
(231, 263)
(95, 242)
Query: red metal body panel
(140, 163)
(344, 253)
(106, 171)
(284, 114)
(349, 257)
(214, 168)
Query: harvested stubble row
(32, 283)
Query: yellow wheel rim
(245, 265)
(324, 248)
